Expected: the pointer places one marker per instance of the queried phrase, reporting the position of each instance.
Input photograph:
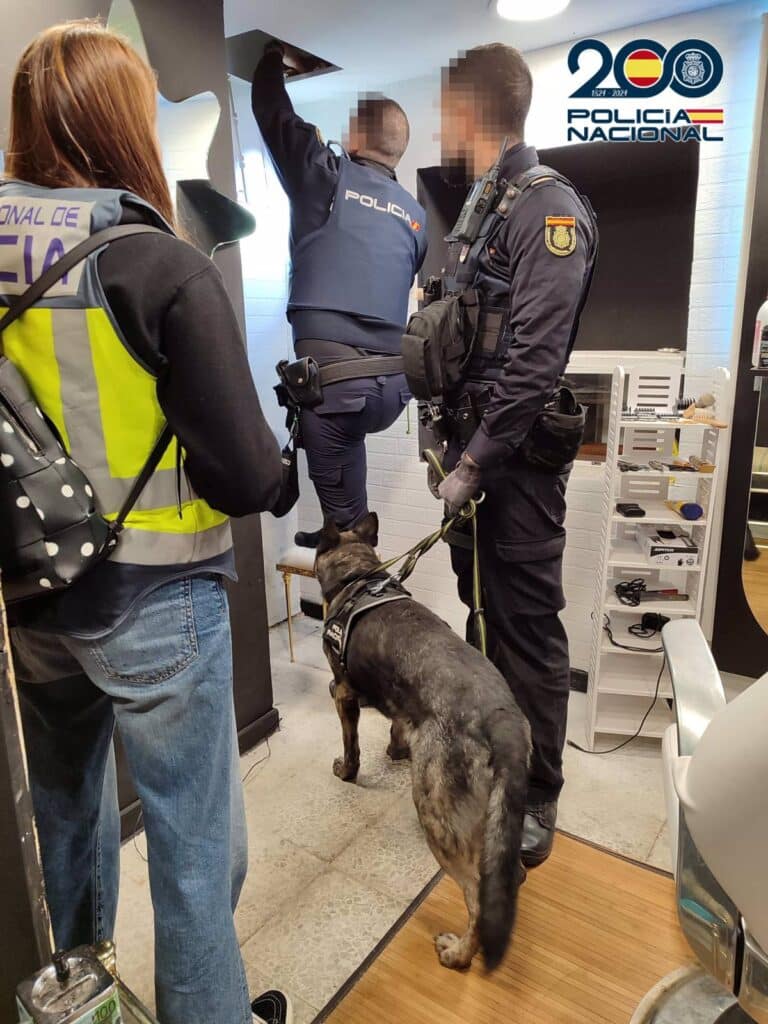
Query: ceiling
(377, 42)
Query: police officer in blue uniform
(357, 240)
(532, 278)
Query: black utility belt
(302, 382)
(555, 436)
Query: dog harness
(360, 597)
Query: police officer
(532, 277)
(357, 240)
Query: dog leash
(411, 557)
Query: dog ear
(368, 529)
(329, 536)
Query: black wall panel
(645, 199)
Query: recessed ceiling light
(530, 10)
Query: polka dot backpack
(50, 530)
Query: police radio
(477, 205)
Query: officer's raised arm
(551, 242)
(297, 151)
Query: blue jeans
(165, 678)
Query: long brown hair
(84, 115)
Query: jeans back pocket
(157, 642)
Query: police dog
(468, 740)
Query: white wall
(396, 477)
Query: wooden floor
(755, 577)
(594, 934)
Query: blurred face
(457, 129)
(354, 138)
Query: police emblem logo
(560, 235)
(693, 71)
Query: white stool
(295, 561)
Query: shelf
(622, 683)
(662, 474)
(666, 424)
(668, 608)
(648, 647)
(623, 716)
(655, 512)
(631, 677)
(620, 691)
(634, 641)
(627, 555)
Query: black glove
(274, 46)
(461, 485)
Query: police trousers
(333, 435)
(521, 538)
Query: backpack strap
(141, 481)
(38, 289)
(508, 200)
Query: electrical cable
(635, 735)
(629, 591)
(643, 634)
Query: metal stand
(287, 585)
(288, 571)
(689, 996)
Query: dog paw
(452, 951)
(344, 771)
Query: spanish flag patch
(560, 235)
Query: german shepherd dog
(469, 742)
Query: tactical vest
(362, 261)
(484, 266)
(99, 396)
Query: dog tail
(500, 869)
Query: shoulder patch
(560, 235)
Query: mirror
(186, 128)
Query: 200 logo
(644, 67)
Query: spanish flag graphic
(643, 68)
(710, 116)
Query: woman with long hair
(139, 335)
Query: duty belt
(359, 597)
(348, 362)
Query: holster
(299, 383)
(554, 440)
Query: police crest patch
(560, 235)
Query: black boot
(303, 539)
(538, 833)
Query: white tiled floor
(333, 866)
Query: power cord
(638, 629)
(629, 591)
(635, 735)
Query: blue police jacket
(362, 261)
(357, 236)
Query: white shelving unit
(622, 683)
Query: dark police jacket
(536, 270)
(357, 237)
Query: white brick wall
(397, 490)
